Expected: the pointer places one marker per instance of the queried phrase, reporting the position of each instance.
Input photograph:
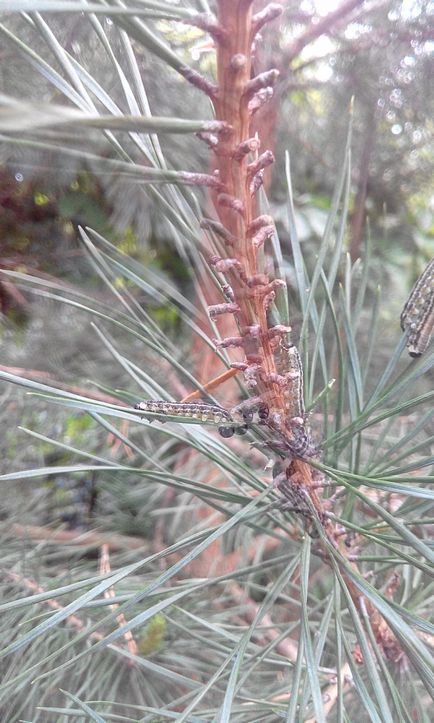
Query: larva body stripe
(300, 444)
(201, 412)
(418, 343)
(417, 318)
(296, 388)
(423, 288)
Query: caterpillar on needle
(205, 413)
(417, 318)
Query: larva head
(226, 431)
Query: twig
(212, 384)
(330, 694)
(105, 569)
(72, 620)
(73, 537)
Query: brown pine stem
(235, 206)
(237, 98)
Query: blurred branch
(89, 539)
(321, 27)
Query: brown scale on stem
(272, 368)
(252, 291)
(235, 100)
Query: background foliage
(233, 614)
